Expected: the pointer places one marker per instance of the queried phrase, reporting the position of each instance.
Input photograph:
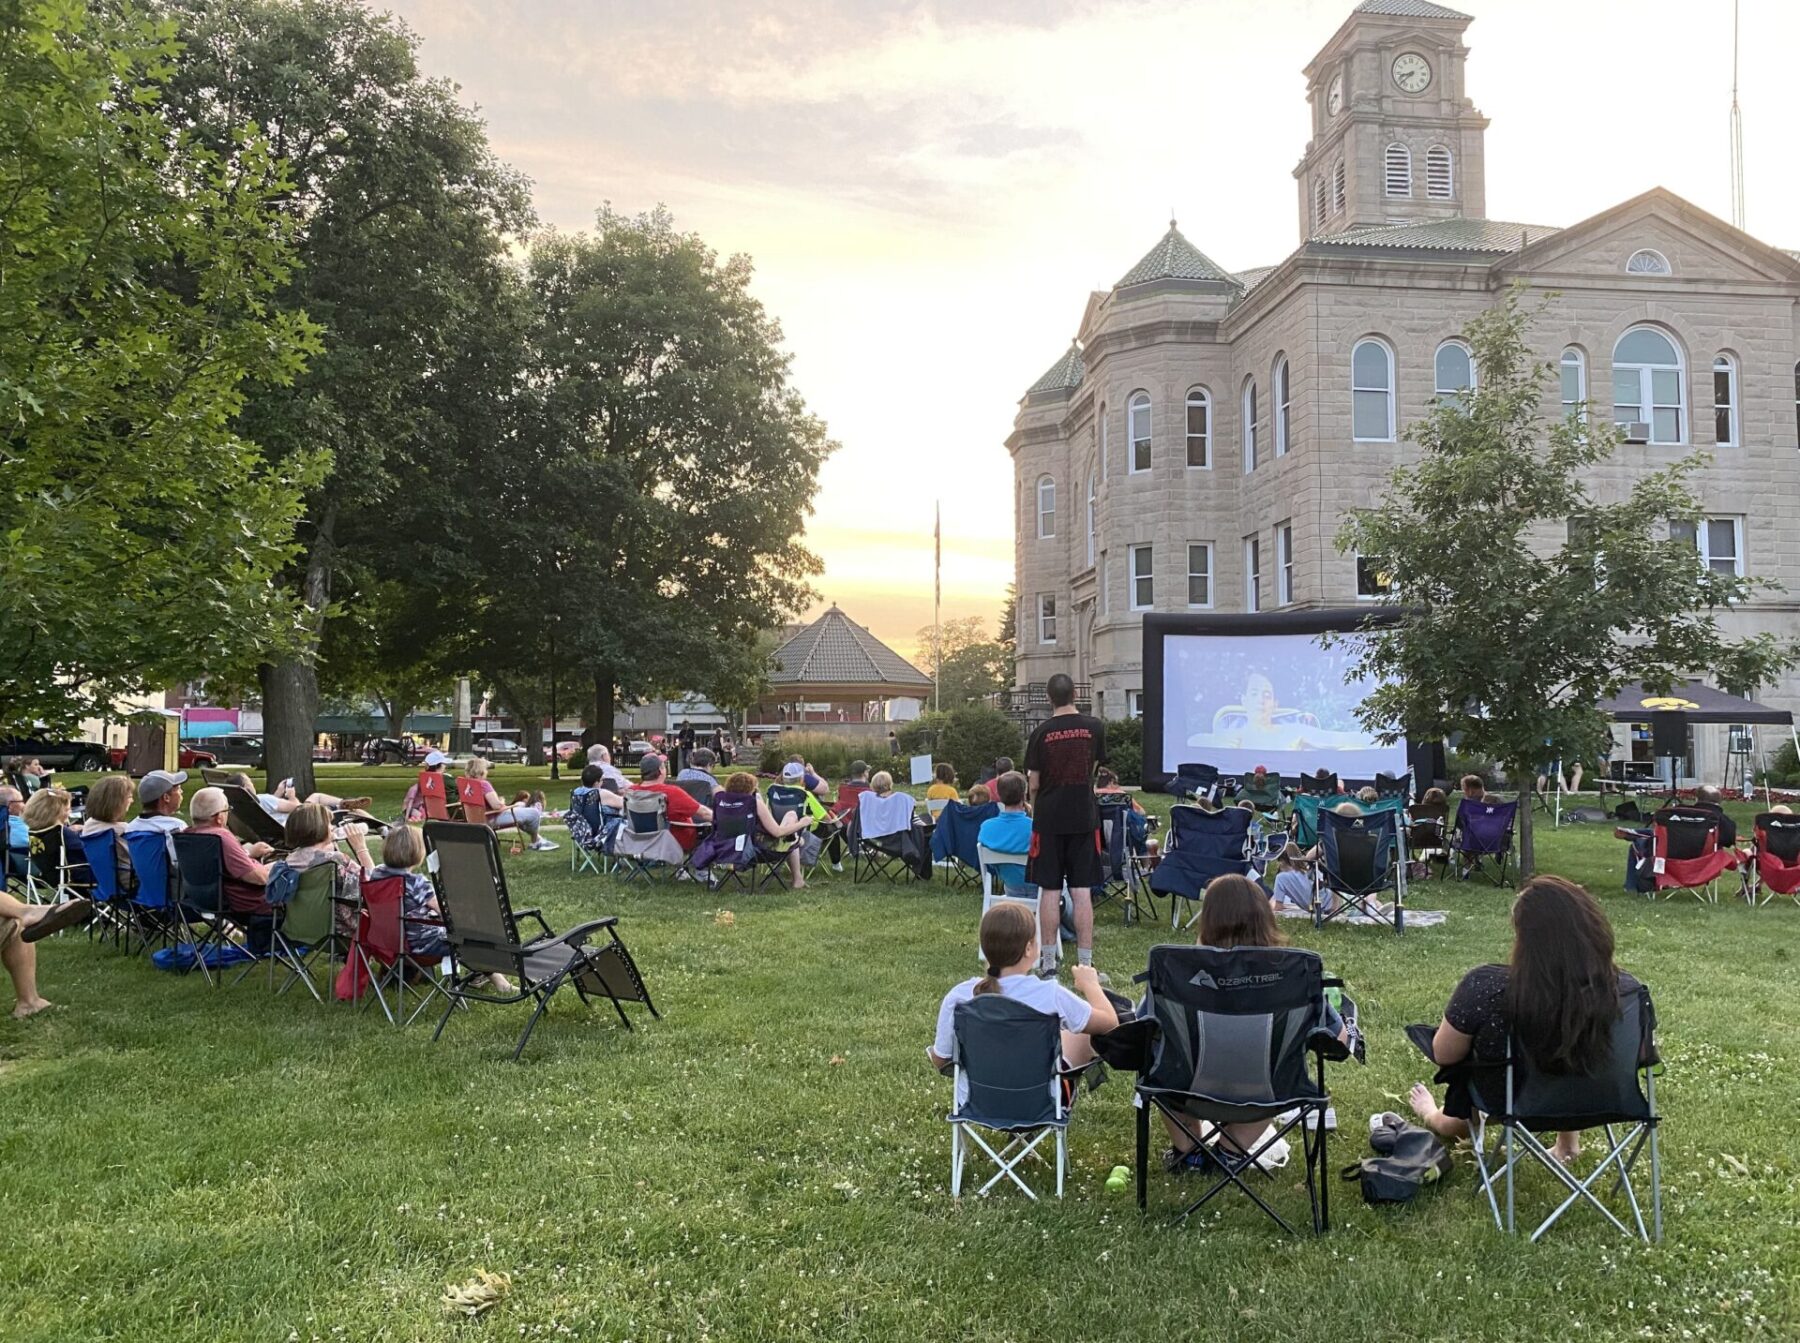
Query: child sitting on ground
(943, 787)
(1293, 884)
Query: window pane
(1454, 373)
(1665, 426)
(1369, 366)
(1371, 415)
(1722, 424)
(1571, 381)
(1197, 418)
(1198, 594)
(1665, 386)
(1685, 531)
(1721, 538)
(1140, 455)
(1644, 347)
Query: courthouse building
(1197, 446)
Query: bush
(1125, 749)
(972, 736)
(1784, 767)
(826, 752)
(1478, 765)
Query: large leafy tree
(400, 214)
(646, 510)
(139, 269)
(1525, 600)
(974, 666)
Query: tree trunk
(1527, 779)
(291, 687)
(600, 722)
(396, 714)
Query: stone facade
(1407, 272)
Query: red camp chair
(843, 806)
(472, 793)
(1773, 868)
(1687, 853)
(378, 959)
(434, 797)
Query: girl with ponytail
(1009, 946)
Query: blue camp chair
(1194, 780)
(154, 915)
(1359, 857)
(112, 901)
(955, 840)
(1007, 1058)
(1202, 845)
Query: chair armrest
(576, 935)
(1325, 1043)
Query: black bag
(1407, 1159)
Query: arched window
(1250, 424)
(1574, 384)
(1199, 427)
(1283, 402)
(1439, 183)
(1137, 432)
(1648, 381)
(1725, 401)
(1399, 170)
(1319, 200)
(1337, 187)
(1455, 369)
(1046, 508)
(1648, 261)
(1090, 520)
(1372, 392)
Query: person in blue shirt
(1010, 832)
(18, 834)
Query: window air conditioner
(1636, 432)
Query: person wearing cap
(159, 804)
(412, 806)
(798, 771)
(685, 815)
(245, 875)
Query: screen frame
(1158, 626)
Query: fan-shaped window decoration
(1648, 261)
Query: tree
(1008, 636)
(139, 527)
(649, 503)
(390, 642)
(974, 666)
(399, 213)
(1505, 637)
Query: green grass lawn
(770, 1161)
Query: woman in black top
(1559, 998)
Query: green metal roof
(1408, 9)
(1442, 235)
(1064, 375)
(1174, 258)
(371, 724)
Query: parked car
(501, 750)
(394, 751)
(568, 750)
(239, 748)
(190, 757)
(54, 752)
(636, 750)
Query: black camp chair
(1527, 1102)
(1202, 845)
(200, 859)
(484, 937)
(249, 822)
(1389, 785)
(1193, 780)
(1313, 786)
(1119, 876)
(1359, 857)
(1008, 1058)
(1230, 1043)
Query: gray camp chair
(1007, 1065)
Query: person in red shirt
(245, 875)
(685, 815)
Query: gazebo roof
(834, 653)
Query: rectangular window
(1250, 426)
(1200, 573)
(1198, 431)
(1719, 541)
(1047, 618)
(1372, 578)
(1284, 564)
(1725, 403)
(1134, 704)
(1252, 574)
(1143, 582)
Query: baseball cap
(157, 782)
(793, 770)
(435, 758)
(208, 802)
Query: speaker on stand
(1669, 743)
(1739, 743)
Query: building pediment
(1695, 244)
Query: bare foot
(31, 1009)
(1430, 1114)
(1566, 1152)
(798, 886)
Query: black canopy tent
(1692, 702)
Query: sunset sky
(929, 191)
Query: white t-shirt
(166, 825)
(1046, 995)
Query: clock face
(1334, 97)
(1412, 72)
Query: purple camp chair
(1484, 830)
(729, 849)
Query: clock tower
(1394, 137)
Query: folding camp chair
(1773, 866)
(306, 927)
(1202, 845)
(728, 852)
(151, 910)
(1311, 785)
(1359, 857)
(1400, 786)
(587, 832)
(1194, 780)
(698, 789)
(379, 961)
(1528, 1102)
(112, 898)
(644, 842)
(1119, 875)
(434, 796)
(217, 778)
(1484, 831)
(1427, 834)
(1007, 1078)
(885, 840)
(785, 801)
(994, 888)
(484, 937)
(1262, 791)
(52, 875)
(200, 860)
(246, 819)
(956, 837)
(1232, 1031)
(1686, 855)
(1303, 821)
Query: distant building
(1198, 445)
(834, 671)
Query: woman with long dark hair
(1559, 997)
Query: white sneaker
(837, 867)
(541, 845)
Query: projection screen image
(1242, 700)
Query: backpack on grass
(1407, 1158)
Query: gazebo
(835, 671)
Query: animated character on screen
(1259, 723)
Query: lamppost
(555, 755)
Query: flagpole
(937, 603)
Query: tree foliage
(974, 666)
(138, 268)
(1524, 599)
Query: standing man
(1060, 760)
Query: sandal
(69, 914)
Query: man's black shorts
(1059, 860)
